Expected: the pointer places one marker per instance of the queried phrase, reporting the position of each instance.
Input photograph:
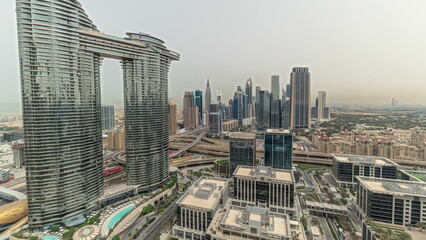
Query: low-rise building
(242, 150)
(398, 202)
(264, 186)
(236, 223)
(347, 167)
(197, 207)
(230, 124)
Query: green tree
(55, 229)
(116, 237)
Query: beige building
(172, 117)
(385, 148)
(189, 111)
(230, 124)
(239, 223)
(196, 208)
(324, 144)
(364, 146)
(418, 137)
(116, 140)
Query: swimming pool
(118, 216)
(50, 238)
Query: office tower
(172, 117)
(321, 104)
(257, 104)
(189, 111)
(264, 109)
(275, 102)
(300, 98)
(60, 54)
(288, 90)
(199, 105)
(239, 89)
(264, 185)
(219, 96)
(198, 205)
(314, 112)
(283, 96)
(207, 100)
(347, 167)
(237, 106)
(398, 202)
(278, 149)
(215, 119)
(249, 93)
(116, 140)
(107, 117)
(242, 150)
(285, 115)
(245, 106)
(327, 113)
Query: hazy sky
(359, 51)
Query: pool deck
(104, 228)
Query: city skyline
(370, 70)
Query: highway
(151, 232)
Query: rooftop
(243, 135)
(266, 172)
(204, 193)
(390, 186)
(258, 218)
(381, 161)
(278, 131)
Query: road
(151, 232)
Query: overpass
(184, 149)
(326, 208)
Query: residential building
(172, 117)
(347, 167)
(230, 124)
(108, 122)
(65, 79)
(189, 111)
(300, 79)
(260, 185)
(116, 140)
(197, 207)
(385, 148)
(278, 149)
(364, 146)
(322, 103)
(275, 102)
(398, 202)
(242, 150)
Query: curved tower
(60, 53)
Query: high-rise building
(116, 140)
(207, 100)
(257, 105)
(275, 102)
(242, 150)
(199, 105)
(219, 96)
(264, 109)
(322, 103)
(300, 98)
(288, 90)
(215, 119)
(172, 117)
(18, 155)
(60, 54)
(107, 117)
(285, 115)
(237, 106)
(189, 111)
(278, 149)
(249, 93)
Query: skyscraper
(242, 150)
(215, 119)
(285, 115)
(275, 102)
(300, 98)
(288, 90)
(237, 106)
(257, 105)
(199, 105)
(321, 104)
(207, 101)
(108, 117)
(172, 117)
(249, 93)
(278, 149)
(264, 109)
(189, 111)
(60, 53)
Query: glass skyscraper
(278, 149)
(300, 98)
(199, 105)
(60, 54)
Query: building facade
(259, 185)
(300, 80)
(264, 120)
(199, 105)
(60, 82)
(108, 122)
(347, 167)
(116, 140)
(173, 127)
(278, 148)
(207, 100)
(242, 150)
(215, 120)
(275, 102)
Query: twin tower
(60, 54)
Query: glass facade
(199, 105)
(278, 149)
(60, 53)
